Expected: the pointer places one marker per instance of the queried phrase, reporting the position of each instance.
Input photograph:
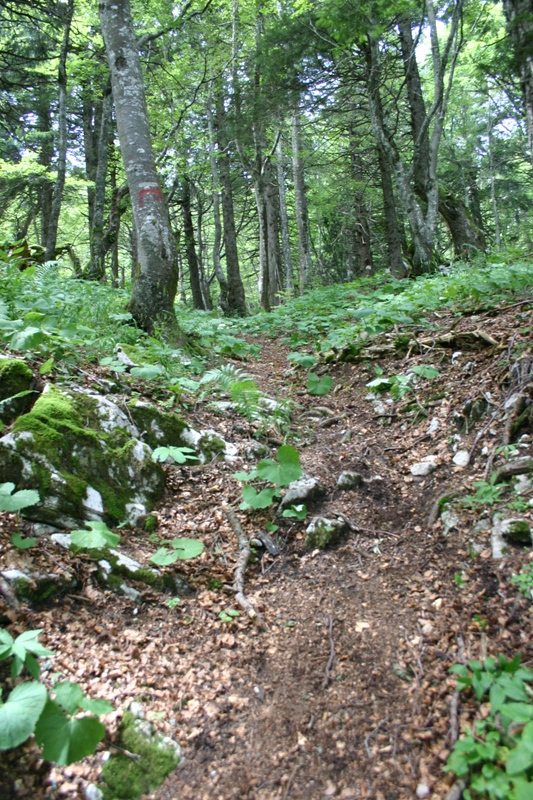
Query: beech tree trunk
(46, 153)
(300, 197)
(156, 274)
(51, 236)
(190, 247)
(236, 298)
(519, 15)
(217, 239)
(284, 218)
(97, 265)
(362, 222)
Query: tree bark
(362, 222)
(97, 265)
(190, 247)
(156, 275)
(51, 236)
(284, 218)
(300, 197)
(45, 189)
(519, 15)
(217, 239)
(236, 298)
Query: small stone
(461, 458)
(450, 521)
(137, 710)
(40, 529)
(130, 592)
(423, 468)
(322, 532)
(62, 539)
(92, 792)
(433, 426)
(422, 791)
(303, 490)
(349, 480)
(522, 484)
(516, 530)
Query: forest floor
(346, 691)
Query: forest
(266, 400)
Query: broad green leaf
(179, 454)
(20, 712)
(98, 706)
(318, 386)
(28, 640)
(519, 759)
(379, 384)
(19, 500)
(27, 339)
(163, 557)
(67, 740)
(69, 696)
(99, 536)
(188, 548)
(302, 359)
(254, 499)
(517, 712)
(47, 367)
(300, 512)
(22, 544)
(6, 488)
(147, 373)
(245, 476)
(287, 469)
(426, 371)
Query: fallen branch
(331, 659)
(240, 569)
(7, 592)
(519, 466)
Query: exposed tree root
(240, 569)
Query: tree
(156, 274)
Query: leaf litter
(346, 691)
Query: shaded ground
(346, 693)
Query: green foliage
(487, 493)
(229, 615)
(98, 537)
(319, 386)
(524, 581)
(22, 544)
(496, 756)
(29, 709)
(179, 454)
(254, 499)
(18, 500)
(399, 385)
(280, 472)
(299, 512)
(302, 360)
(183, 549)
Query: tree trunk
(272, 233)
(156, 276)
(97, 265)
(190, 247)
(362, 221)
(284, 218)
(217, 239)
(51, 236)
(236, 298)
(46, 154)
(392, 228)
(300, 197)
(519, 15)
(466, 236)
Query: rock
(40, 529)
(498, 543)
(450, 520)
(15, 377)
(209, 445)
(323, 532)
(137, 710)
(305, 489)
(130, 592)
(461, 458)
(433, 426)
(380, 408)
(62, 539)
(92, 792)
(84, 456)
(422, 791)
(522, 484)
(157, 427)
(516, 530)
(349, 480)
(424, 467)
(37, 587)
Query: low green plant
(299, 512)
(172, 602)
(487, 493)
(97, 537)
(15, 501)
(182, 549)
(399, 385)
(179, 454)
(30, 709)
(229, 615)
(318, 386)
(495, 756)
(524, 581)
(22, 544)
(281, 472)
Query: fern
(225, 376)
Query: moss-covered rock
(34, 587)
(323, 532)
(125, 778)
(15, 377)
(157, 427)
(82, 454)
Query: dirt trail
(346, 693)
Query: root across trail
(343, 690)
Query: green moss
(211, 446)
(15, 377)
(150, 523)
(67, 438)
(401, 343)
(324, 533)
(40, 589)
(127, 779)
(157, 427)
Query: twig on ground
(373, 733)
(240, 569)
(331, 659)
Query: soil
(345, 691)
